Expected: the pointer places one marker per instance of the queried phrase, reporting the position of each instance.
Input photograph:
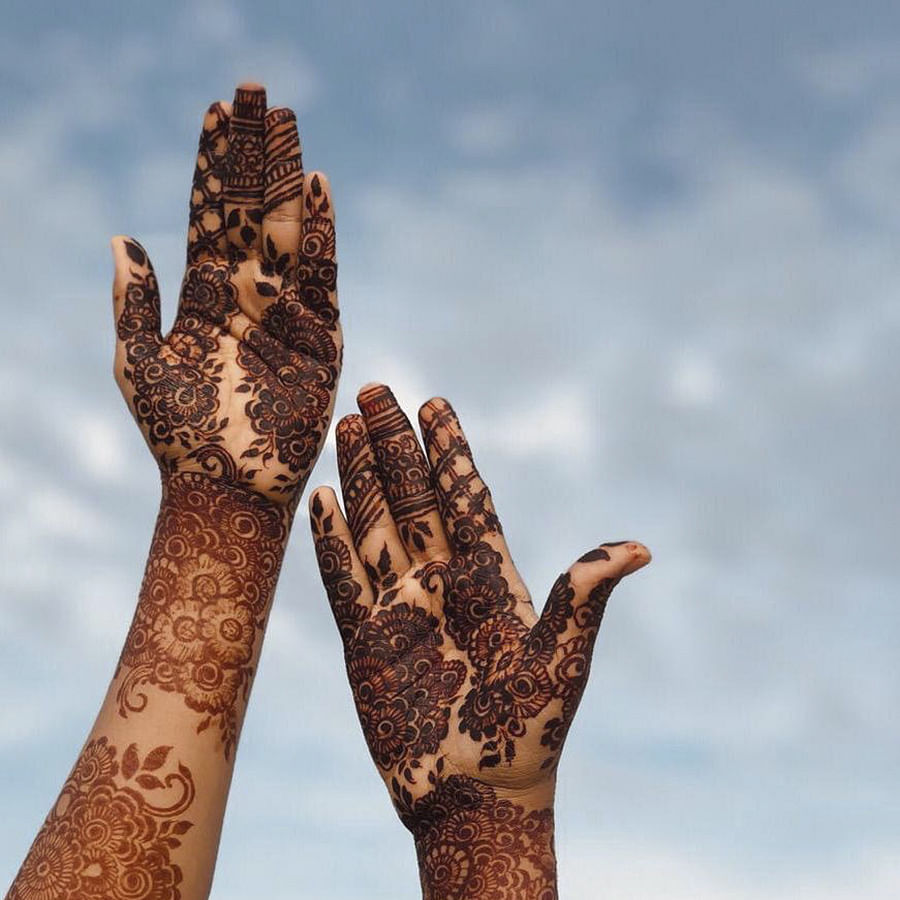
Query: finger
(317, 263)
(343, 575)
(405, 474)
(282, 201)
(135, 305)
(373, 528)
(466, 505)
(578, 598)
(206, 225)
(244, 174)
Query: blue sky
(649, 250)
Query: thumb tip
(620, 557)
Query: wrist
(474, 842)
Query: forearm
(145, 801)
(473, 843)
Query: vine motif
(107, 836)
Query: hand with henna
(234, 403)
(464, 693)
(243, 386)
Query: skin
(464, 693)
(234, 403)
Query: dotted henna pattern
(213, 565)
(113, 830)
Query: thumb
(135, 302)
(578, 598)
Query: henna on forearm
(234, 403)
(114, 830)
(204, 602)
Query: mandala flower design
(470, 844)
(209, 293)
(228, 629)
(104, 838)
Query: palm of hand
(243, 385)
(451, 669)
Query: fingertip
(370, 391)
(431, 408)
(322, 496)
(640, 557)
(318, 184)
(350, 422)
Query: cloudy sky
(649, 249)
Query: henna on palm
(243, 385)
(451, 669)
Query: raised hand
(243, 386)
(464, 693)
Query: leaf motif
(594, 556)
(148, 782)
(384, 561)
(234, 219)
(156, 759)
(130, 762)
(248, 235)
(264, 289)
(135, 253)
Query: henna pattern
(404, 470)
(243, 386)
(334, 560)
(213, 565)
(451, 669)
(206, 227)
(359, 480)
(113, 830)
(284, 166)
(472, 844)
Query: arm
(465, 694)
(234, 404)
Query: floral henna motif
(335, 568)
(243, 386)
(403, 686)
(245, 167)
(472, 844)
(510, 684)
(213, 566)
(112, 831)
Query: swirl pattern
(214, 563)
(108, 835)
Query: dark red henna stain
(405, 473)
(471, 844)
